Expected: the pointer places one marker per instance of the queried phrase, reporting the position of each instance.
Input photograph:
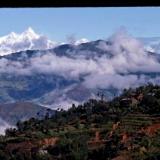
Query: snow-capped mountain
(27, 40)
(151, 44)
(76, 42)
(80, 41)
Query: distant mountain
(28, 40)
(151, 44)
(73, 73)
(87, 50)
(80, 41)
(49, 89)
(11, 113)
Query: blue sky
(91, 23)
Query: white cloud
(3, 126)
(101, 72)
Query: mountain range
(28, 40)
(36, 70)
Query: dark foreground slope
(126, 128)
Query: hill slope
(125, 128)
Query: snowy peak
(76, 42)
(80, 41)
(12, 35)
(26, 40)
(30, 33)
(151, 44)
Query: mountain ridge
(63, 74)
(28, 40)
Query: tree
(10, 132)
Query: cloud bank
(119, 71)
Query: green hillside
(125, 128)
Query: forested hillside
(125, 128)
